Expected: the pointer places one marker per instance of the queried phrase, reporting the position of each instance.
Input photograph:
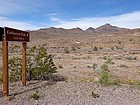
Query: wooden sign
(9, 34)
(16, 35)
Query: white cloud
(130, 20)
(16, 24)
(55, 19)
(51, 14)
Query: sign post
(18, 36)
(5, 68)
(23, 64)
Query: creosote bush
(40, 65)
(15, 68)
(106, 78)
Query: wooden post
(5, 68)
(23, 64)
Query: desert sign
(16, 35)
(10, 34)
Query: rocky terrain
(74, 52)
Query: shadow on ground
(51, 80)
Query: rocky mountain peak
(107, 28)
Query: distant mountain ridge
(107, 29)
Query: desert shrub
(35, 96)
(15, 68)
(106, 78)
(112, 48)
(95, 48)
(123, 66)
(1, 76)
(119, 42)
(39, 65)
(88, 66)
(14, 48)
(94, 66)
(100, 47)
(104, 67)
(95, 95)
(109, 61)
(73, 48)
(119, 47)
(130, 39)
(66, 50)
(105, 58)
(131, 58)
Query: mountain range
(104, 29)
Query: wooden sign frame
(23, 39)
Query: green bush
(39, 65)
(106, 78)
(15, 68)
(104, 67)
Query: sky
(36, 14)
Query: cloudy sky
(36, 14)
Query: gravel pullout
(70, 93)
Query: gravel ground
(70, 93)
